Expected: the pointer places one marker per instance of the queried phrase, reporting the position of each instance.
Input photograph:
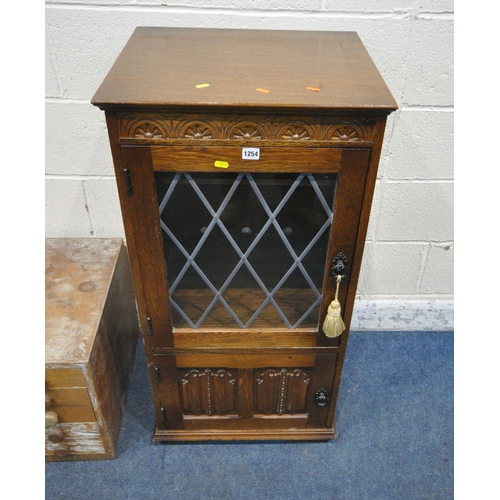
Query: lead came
(316, 215)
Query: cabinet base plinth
(245, 435)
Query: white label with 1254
(250, 153)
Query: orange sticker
(313, 89)
(264, 91)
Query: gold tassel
(333, 325)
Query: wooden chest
(246, 163)
(91, 332)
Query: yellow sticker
(221, 164)
(264, 91)
(202, 85)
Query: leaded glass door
(235, 282)
(245, 250)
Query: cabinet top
(244, 68)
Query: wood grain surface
(218, 67)
(189, 100)
(91, 334)
(78, 273)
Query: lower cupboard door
(244, 396)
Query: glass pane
(245, 250)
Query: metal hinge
(158, 374)
(150, 326)
(128, 181)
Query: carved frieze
(156, 127)
(144, 128)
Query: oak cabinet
(245, 163)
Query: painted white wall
(408, 264)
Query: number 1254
(250, 153)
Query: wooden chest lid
(78, 274)
(250, 68)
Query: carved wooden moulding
(281, 391)
(289, 129)
(208, 392)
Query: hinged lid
(78, 274)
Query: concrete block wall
(407, 276)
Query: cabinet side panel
(364, 217)
(113, 133)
